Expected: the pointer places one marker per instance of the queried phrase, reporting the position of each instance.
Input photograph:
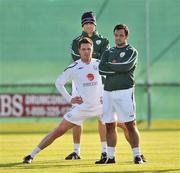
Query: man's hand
(76, 100)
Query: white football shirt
(86, 80)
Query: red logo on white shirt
(90, 76)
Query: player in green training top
(100, 44)
(118, 64)
(88, 22)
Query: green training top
(100, 44)
(118, 65)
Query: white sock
(35, 151)
(103, 147)
(77, 148)
(136, 151)
(111, 152)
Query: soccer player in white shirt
(88, 101)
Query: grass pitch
(161, 147)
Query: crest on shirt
(122, 54)
(98, 42)
(90, 76)
(94, 67)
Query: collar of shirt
(84, 34)
(121, 48)
(85, 63)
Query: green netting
(35, 37)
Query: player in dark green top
(118, 65)
(88, 22)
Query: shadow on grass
(8, 165)
(45, 165)
(144, 171)
(42, 165)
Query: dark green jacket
(118, 64)
(100, 45)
